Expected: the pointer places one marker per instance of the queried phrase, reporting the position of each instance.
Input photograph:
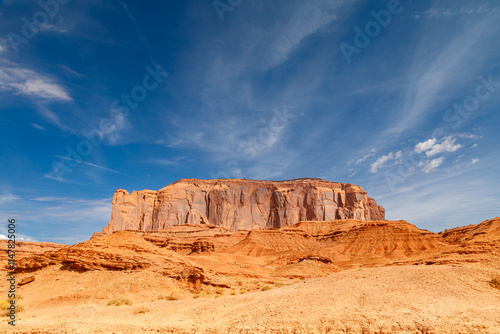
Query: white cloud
(41, 88)
(433, 164)
(38, 126)
(448, 145)
(424, 146)
(474, 161)
(366, 156)
(3, 237)
(6, 198)
(26, 82)
(439, 12)
(431, 148)
(52, 27)
(384, 159)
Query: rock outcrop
(240, 204)
(121, 251)
(489, 230)
(27, 248)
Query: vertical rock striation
(238, 204)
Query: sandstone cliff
(238, 204)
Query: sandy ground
(395, 299)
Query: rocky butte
(240, 204)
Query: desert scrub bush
(119, 302)
(495, 282)
(162, 297)
(243, 290)
(219, 290)
(141, 310)
(176, 294)
(233, 292)
(279, 284)
(265, 288)
(5, 304)
(240, 283)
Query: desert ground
(313, 277)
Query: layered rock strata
(240, 204)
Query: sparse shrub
(279, 284)
(219, 290)
(162, 297)
(240, 283)
(196, 296)
(176, 294)
(141, 310)
(265, 288)
(233, 292)
(495, 282)
(5, 304)
(119, 302)
(243, 290)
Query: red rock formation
(488, 230)
(117, 252)
(27, 248)
(352, 238)
(238, 204)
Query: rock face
(238, 204)
(27, 248)
(118, 252)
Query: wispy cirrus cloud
(469, 10)
(23, 81)
(384, 160)
(6, 198)
(433, 77)
(89, 164)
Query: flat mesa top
(304, 179)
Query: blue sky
(401, 98)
